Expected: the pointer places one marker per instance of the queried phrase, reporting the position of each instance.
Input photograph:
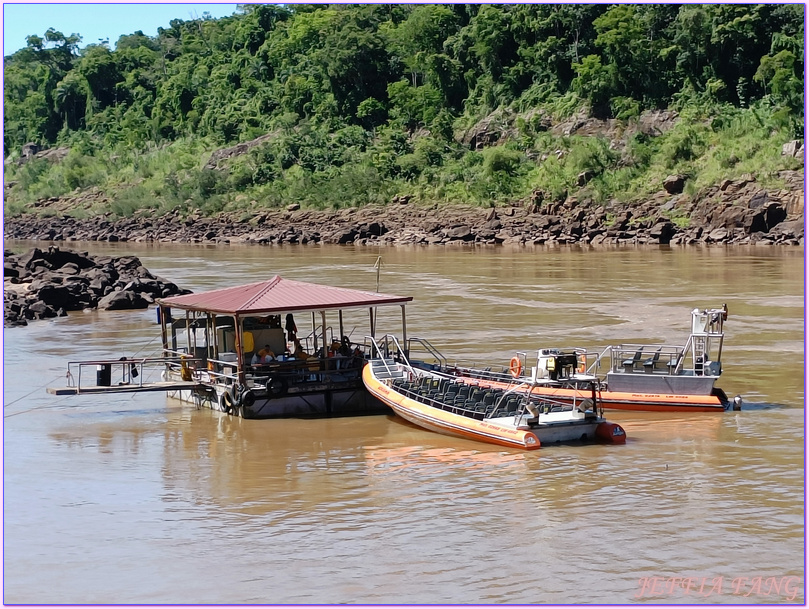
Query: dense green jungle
(335, 106)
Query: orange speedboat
(497, 416)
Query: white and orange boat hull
(447, 422)
(513, 430)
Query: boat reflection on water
(407, 446)
(656, 427)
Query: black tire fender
(276, 387)
(228, 401)
(248, 398)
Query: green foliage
(500, 160)
(685, 143)
(130, 200)
(363, 101)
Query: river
(145, 500)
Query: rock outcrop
(47, 283)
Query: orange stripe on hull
(446, 422)
(617, 400)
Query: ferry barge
(239, 350)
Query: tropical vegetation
(359, 103)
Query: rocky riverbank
(47, 283)
(733, 212)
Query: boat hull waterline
(511, 431)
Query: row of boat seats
(650, 364)
(458, 397)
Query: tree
(99, 68)
(70, 100)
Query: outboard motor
(737, 403)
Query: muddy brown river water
(142, 499)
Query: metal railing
(131, 368)
(428, 347)
(383, 346)
(647, 358)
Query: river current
(142, 499)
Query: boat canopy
(279, 295)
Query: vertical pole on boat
(378, 267)
(342, 331)
(323, 326)
(163, 332)
(188, 331)
(211, 339)
(314, 333)
(237, 345)
(372, 311)
(404, 333)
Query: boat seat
(468, 408)
(674, 362)
(649, 364)
(629, 364)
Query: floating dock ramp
(129, 375)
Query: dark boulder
(463, 232)
(41, 284)
(663, 232)
(123, 300)
(674, 184)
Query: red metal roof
(279, 295)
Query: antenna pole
(378, 267)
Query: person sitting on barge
(264, 356)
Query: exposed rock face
(674, 184)
(733, 212)
(41, 284)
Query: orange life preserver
(582, 367)
(515, 367)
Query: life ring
(515, 367)
(276, 387)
